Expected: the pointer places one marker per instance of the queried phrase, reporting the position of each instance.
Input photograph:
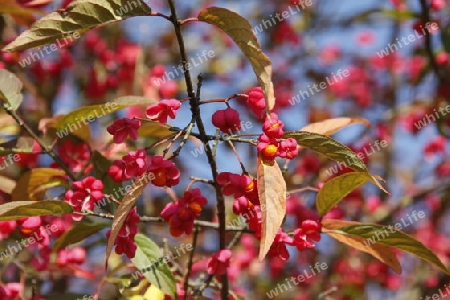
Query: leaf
(79, 231)
(10, 89)
(334, 150)
(381, 252)
(400, 15)
(158, 274)
(334, 190)
(328, 147)
(49, 127)
(394, 238)
(12, 7)
(153, 293)
(122, 211)
(7, 185)
(240, 30)
(20, 145)
(79, 16)
(272, 195)
(30, 184)
(24, 209)
(330, 126)
(153, 130)
(101, 166)
(82, 116)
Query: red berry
(227, 120)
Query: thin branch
(144, 219)
(46, 149)
(195, 109)
(183, 141)
(425, 17)
(190, 263)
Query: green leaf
(24, 209)
(10, 89)
(334, 150)
(334, 190)
(240, 30)
(328, 147)
(83, 115)
(159, 274)
(78, 17)
(394, 238)
(79, 231)
(400, 15)
(101, 166)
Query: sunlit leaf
(150, 261)
(328, 147)
(82, 116)
(79, 16)
(394, 238)
(272, 195)
(330, 126)
(29, 186)
(49, 126)
(334, 190)
(153, 293)
(381, 252)
(240, 30)
(10, 89)
(153, 130)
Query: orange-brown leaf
(330, 126)
(381, 252)
(122, 211)
(272, 195)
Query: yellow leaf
(272, 195)
(153, 293)
(32, 184)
